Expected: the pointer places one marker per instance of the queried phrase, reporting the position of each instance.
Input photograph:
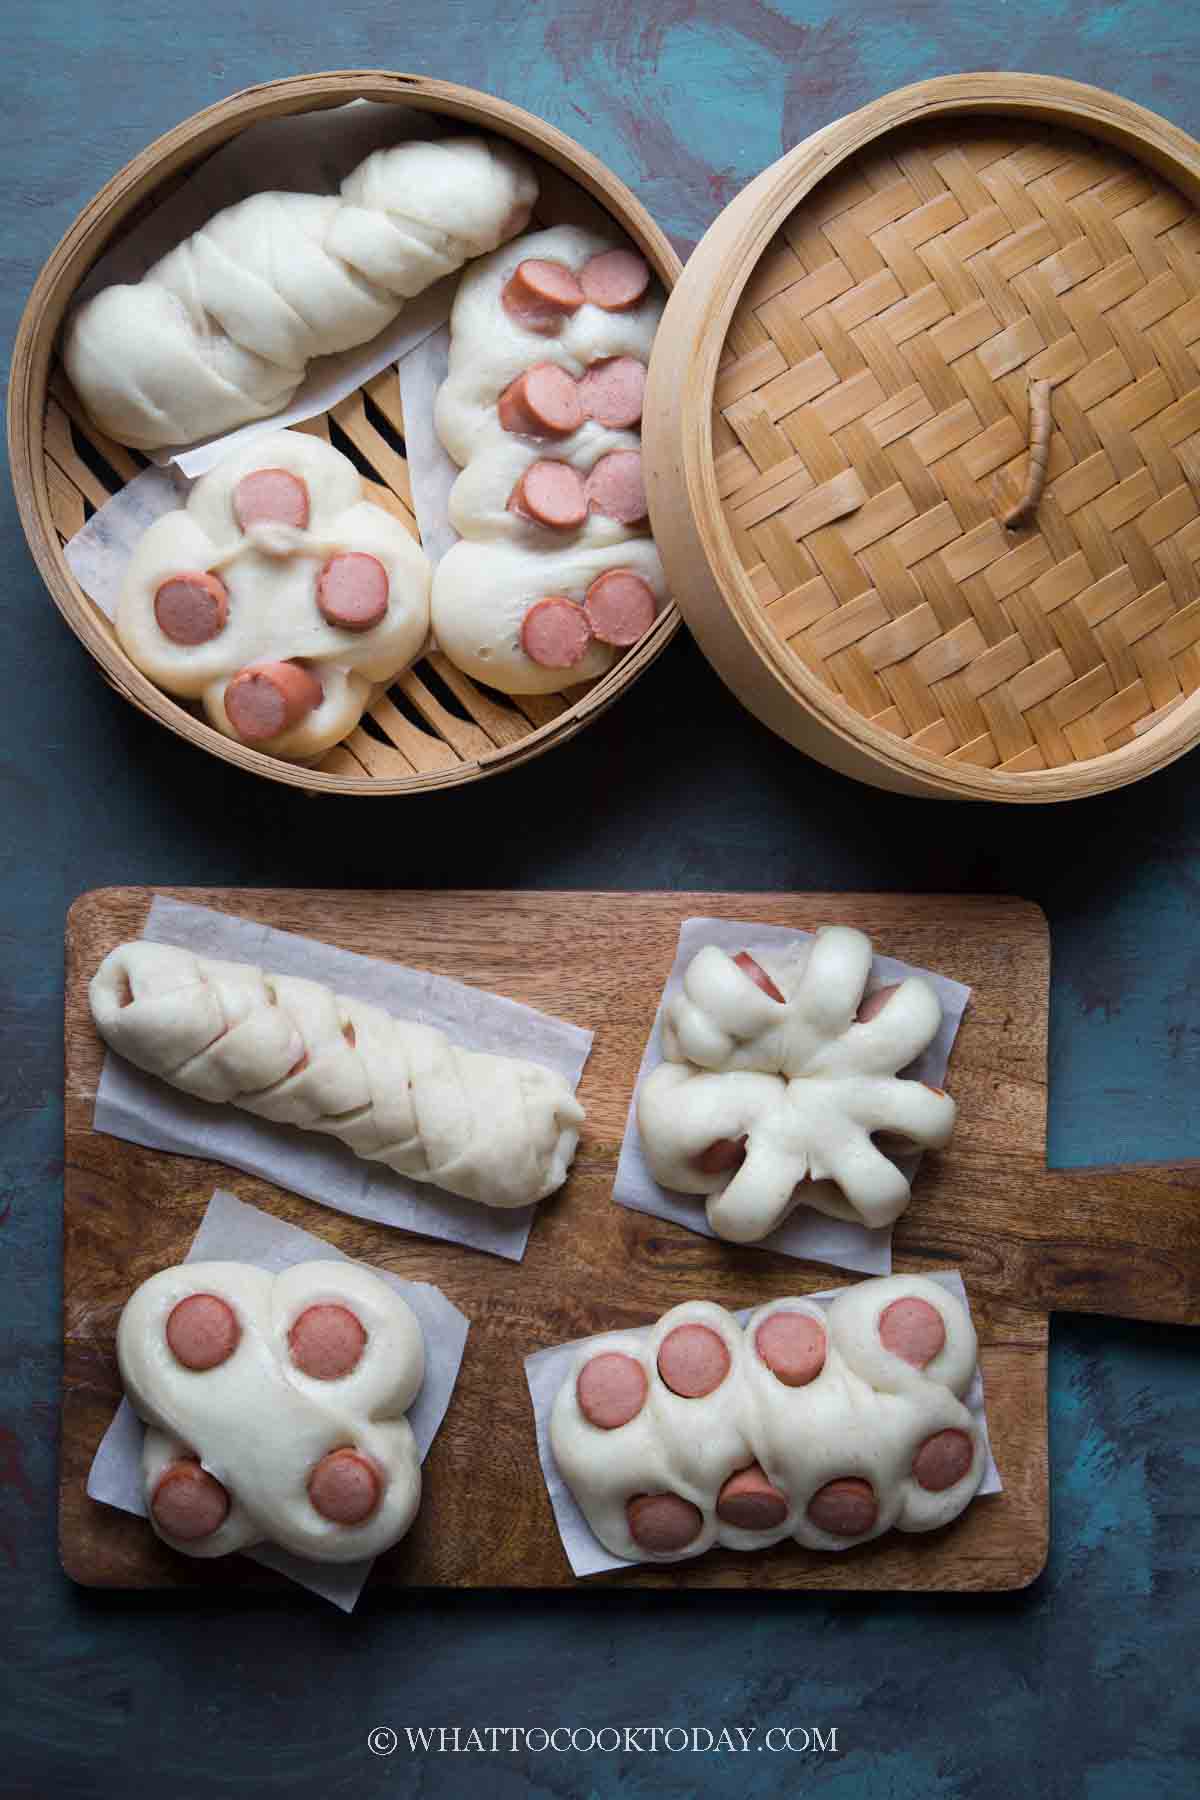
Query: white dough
(801, 1081)
(258, 1424)
(485, 585)
(273, 612)
(495, 1129)
(481, 593)
(221, 328)
(865, 1416)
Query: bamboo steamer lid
(433, 727)
(838, 423)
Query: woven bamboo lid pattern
(871, 430)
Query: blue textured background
(1085, 1685)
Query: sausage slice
(751, 1502)
(192, 608)
(551, 494)
(326, 1342)
(189, 1503)
(539, 295)
(202, 1332)
(543, 402)
(345, 1487)
(661, 1523)
(621, 607)
(615, 280)
(271, 497)
(693, 1360)
(612, 390)
(269, 698)
(555, 632)
(352, 591)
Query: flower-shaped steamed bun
(278, 597)
(274, 1407)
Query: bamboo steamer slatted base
(433, 727)
(862, 327)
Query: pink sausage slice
(913, 1330)
(202, 1331)
(621, 607)
(267, 699)
(616, 489)
(874, 1003)
(345, 1487)
(662, 1523)
(844, 1508)
(693, 1360)
(793, 1347)
(539, 295)
(722, 1154)
(271, 497)
(326, 1342)
(758, 975)
(552, 494)
(612, 391)
(555, 633)
(189, 1503)
(751, 1502)
(615, 280)
(543, 402)
(611, 1390)
(352, 591)
(942, 1460)
(192, 608)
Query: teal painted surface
(1082, 1686)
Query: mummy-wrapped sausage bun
(220, 330)
(495, 1129)
(827, 1425)
(556, 573)
(277, 597)
(274, 1407)
(780, 1086)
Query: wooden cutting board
(1027, 1241)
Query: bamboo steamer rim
(698, 549)
(91, 233)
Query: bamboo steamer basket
(839, 403)
(434, 728)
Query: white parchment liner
(546, 1370)
(233, 1232)
(144, 1110)
(807, 1234)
